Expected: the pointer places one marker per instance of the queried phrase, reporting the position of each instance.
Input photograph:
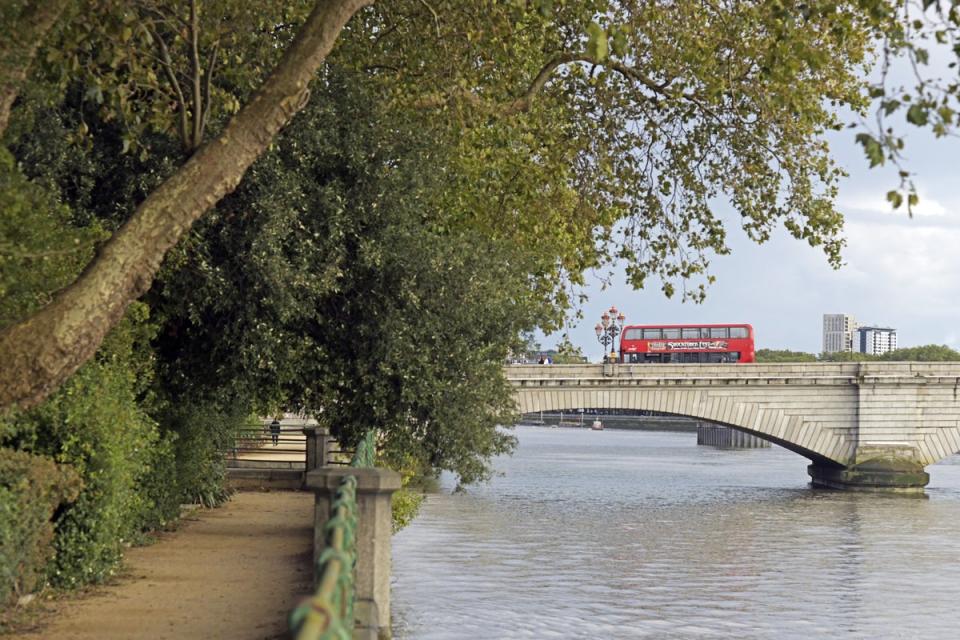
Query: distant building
(876, 340)
(838, 332)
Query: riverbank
(235, 572)
(636, 423)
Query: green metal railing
(328, 615)
(366, 454)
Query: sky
(898, 272)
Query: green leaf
(618, 43)
(597, 45)
(917, 115)
(895, 199)
(871, 148)
(889, 106)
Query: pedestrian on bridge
(275, 431)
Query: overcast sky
(898, 272)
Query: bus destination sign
(704, 345)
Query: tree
(924, 353)
(846, 356)
(910, 35)
(601, 129)
(567, 353)
(23, 26)
(325, 283)
(783, 355)
(41, 351)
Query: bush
(158, 486)
(203, 431)
(96, 422)
(32, 488)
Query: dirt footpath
(234, 572)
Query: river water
(629, 534)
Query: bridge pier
(867, 426)
(877, 469)
(715, 435)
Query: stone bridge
(864, 426)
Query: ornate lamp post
(609, 327)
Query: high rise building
(838, 332)
(876, 340)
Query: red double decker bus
(687, 343)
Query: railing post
(374, 530)
(318, 440)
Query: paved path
(233, 572)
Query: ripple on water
(623, 534)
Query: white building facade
(838, 332)
(876, 340)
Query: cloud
(873, 203)
(914, 270)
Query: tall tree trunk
(18, 47)
(39, 353)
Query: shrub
(203, 432)
(32, 488)
(96, 422)
(158, 485)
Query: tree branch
(524, 102)
(196, 135)
(39, 353)
(167, 64)
(18, 48)
(207, 81)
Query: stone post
(318, 446)
(374, 530)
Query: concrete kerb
(375, 488)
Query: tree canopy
(922, 353)
(575, 132)
(783, 355)
(601, 129)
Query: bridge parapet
(854, 418)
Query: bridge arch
(873, 425)
(755, 418)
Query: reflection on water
(625, 534)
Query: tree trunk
(18, 47)
(41, 352)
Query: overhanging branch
(18, 48)
(39, 353)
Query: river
(631, 534)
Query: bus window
(718, 332)
(690, 333)
(734, 356)
(652, 357)
(633, 334)
(651, 334)
(738, 332)
(671, 334)
(687, 358)
(715, 358)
